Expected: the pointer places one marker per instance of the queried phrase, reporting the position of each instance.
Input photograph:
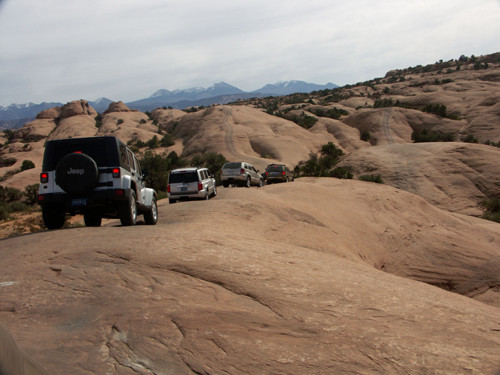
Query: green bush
(158, 168)
(212, 161)
(4, 211)
(341, 172)
(167, 140)
(431, 136)
(6, 162)
(372, 178)
(320, 166)
(31, 194)
(492, 209)
(27, 164)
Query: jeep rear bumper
(102, 200)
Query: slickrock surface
(312, 277)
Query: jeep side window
(138, 166)
(124, 158)
(131, 160)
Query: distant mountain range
(16, 115)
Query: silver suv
(97, 177)
(240, 174)
(188, 183)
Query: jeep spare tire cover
(76, 173)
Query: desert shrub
(490, 143)
(119, 121)
(158, 168)
(30, 194)
(333, 113)
(431, 136)
(153, 142)
(9, 194)
(383, 103)
(469, 139)
(492, 209)
(27, 164)
(372, 178)
(98, 121)
(212, 161)
(320, 166)
(365, 136)
(143, 121)
(437, 109)
(341, 172)
(6, 162)
(304, 120)
(167, 140)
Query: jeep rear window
(274, 169)
(185, 177)
(99, 149)
(231, 166)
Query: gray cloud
(59, 50)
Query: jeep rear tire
(53, 217)
(76, 173)
(151, 216)
(128, 211)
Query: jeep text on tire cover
(98, 177)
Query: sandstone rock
(13, 361)
(77, 108)
(318, 276)
(118, 107)
(50, 114)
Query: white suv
(240, 174)
(189, 183)
(97, 177)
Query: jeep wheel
(76, 173)
(225, 184)
(53, 217)
(128, 211)
(151, 216)
(215, 191)
(171, 201)
(92, 219)
(248, 182)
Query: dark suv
(278, 173)
(97, 177)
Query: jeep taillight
(242, 170)
(44, 177)
(116, 172)
(168, 188)
(283, 173)
(41, 198)
(200, 186)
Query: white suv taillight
(44, 177)
(116, 172)
(200, 186)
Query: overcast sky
(64, 50)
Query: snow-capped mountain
(16, 115)
(291, 87)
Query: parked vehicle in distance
(94, 176)
(240, 174)
(190, 183)
(278, 173)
